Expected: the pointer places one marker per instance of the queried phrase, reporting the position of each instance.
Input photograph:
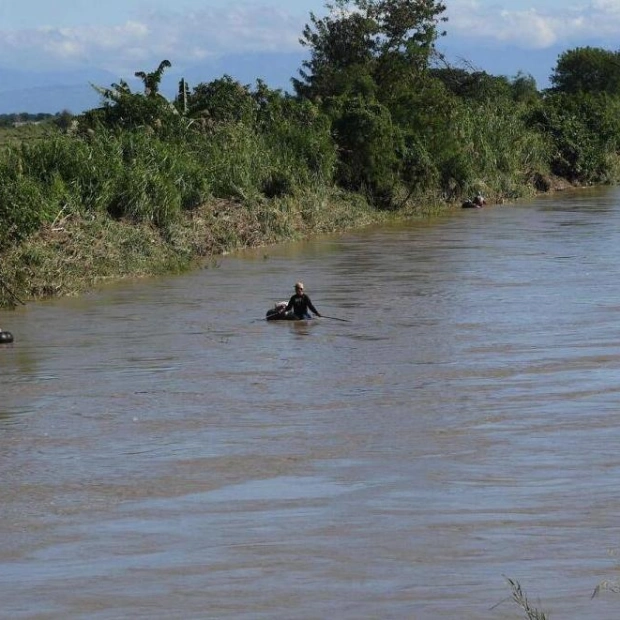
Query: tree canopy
(365, 42)
(587, 70)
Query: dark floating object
(278, 313)
(469, 204)
(275, 315)
(6, 337)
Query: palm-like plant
(153, 80)
(115, 93)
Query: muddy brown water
(165, 453)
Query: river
(166, 453)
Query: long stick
(335, 318)
(11, 292)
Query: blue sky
(122, 36)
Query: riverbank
(77, 253)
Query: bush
(368, 145)
(23, 209)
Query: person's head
(299, 288)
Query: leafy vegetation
(378, 120)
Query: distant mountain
(15, 79)
(49, 99)
(51, 92)
(274, 68)
(507, 61)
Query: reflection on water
(166, 453)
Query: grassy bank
(77, 210)
(78, 252)
(143, 186)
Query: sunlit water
(166, 453)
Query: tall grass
(497, 150)
(132, 175)
(519, 597)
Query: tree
(587, 70)
(223, 100)
(524, 88)
(475, 85)
(369, 146)
(585, 130)
(182, 100)
(387, 41)
(122, 108)
(63, 120)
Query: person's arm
(311, 306)
(290, 304)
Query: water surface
(166, 453)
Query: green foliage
(524, 89)
(122, 109)
(369, 147)
(370, 117)
(222, 101)
(23, 207)
(419, 171)
(587, 70)
(383, 42)
(299, 135)
(476, 85)
(24, 118)
(585, 129)
(129, 111)
(340, 44)
(14, 135)
(143, 195)
(240, 162)
(152, 80)
(64, 120)
(371, 123)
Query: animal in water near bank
(5, 337)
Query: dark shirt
(300, 304)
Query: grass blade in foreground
(519, 597)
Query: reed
(519, 597)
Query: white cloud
(191, 37)
(606, 6)
(536, 28)
(180, 38)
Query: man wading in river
(300, 303)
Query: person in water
(477, 203)
(300, 303)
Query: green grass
(12, 136)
